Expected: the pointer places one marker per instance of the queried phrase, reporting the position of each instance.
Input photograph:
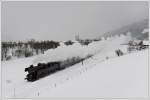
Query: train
(44, 69)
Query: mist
(62, 20)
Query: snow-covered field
(98, 77)
(121, 77)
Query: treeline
(20, 49)
(13, 50)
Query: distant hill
(136, 29)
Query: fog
(61, 21)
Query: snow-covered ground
(122, 77)
(98, 77)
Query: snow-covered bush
(68, 42)
(8, 57)
(119, 52)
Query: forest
(12, 50)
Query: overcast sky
(63, 20)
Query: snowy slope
(118, 77)
(122, 77)
(97, 77)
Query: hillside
(103, 75)
(122, 77)
(136, 29)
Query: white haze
(51, 20)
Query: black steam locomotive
(44, 69)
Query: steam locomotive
(44, 69)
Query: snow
(146, 42)
(77, 50)
(98, 77)
(119, 77)
(146, 30)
